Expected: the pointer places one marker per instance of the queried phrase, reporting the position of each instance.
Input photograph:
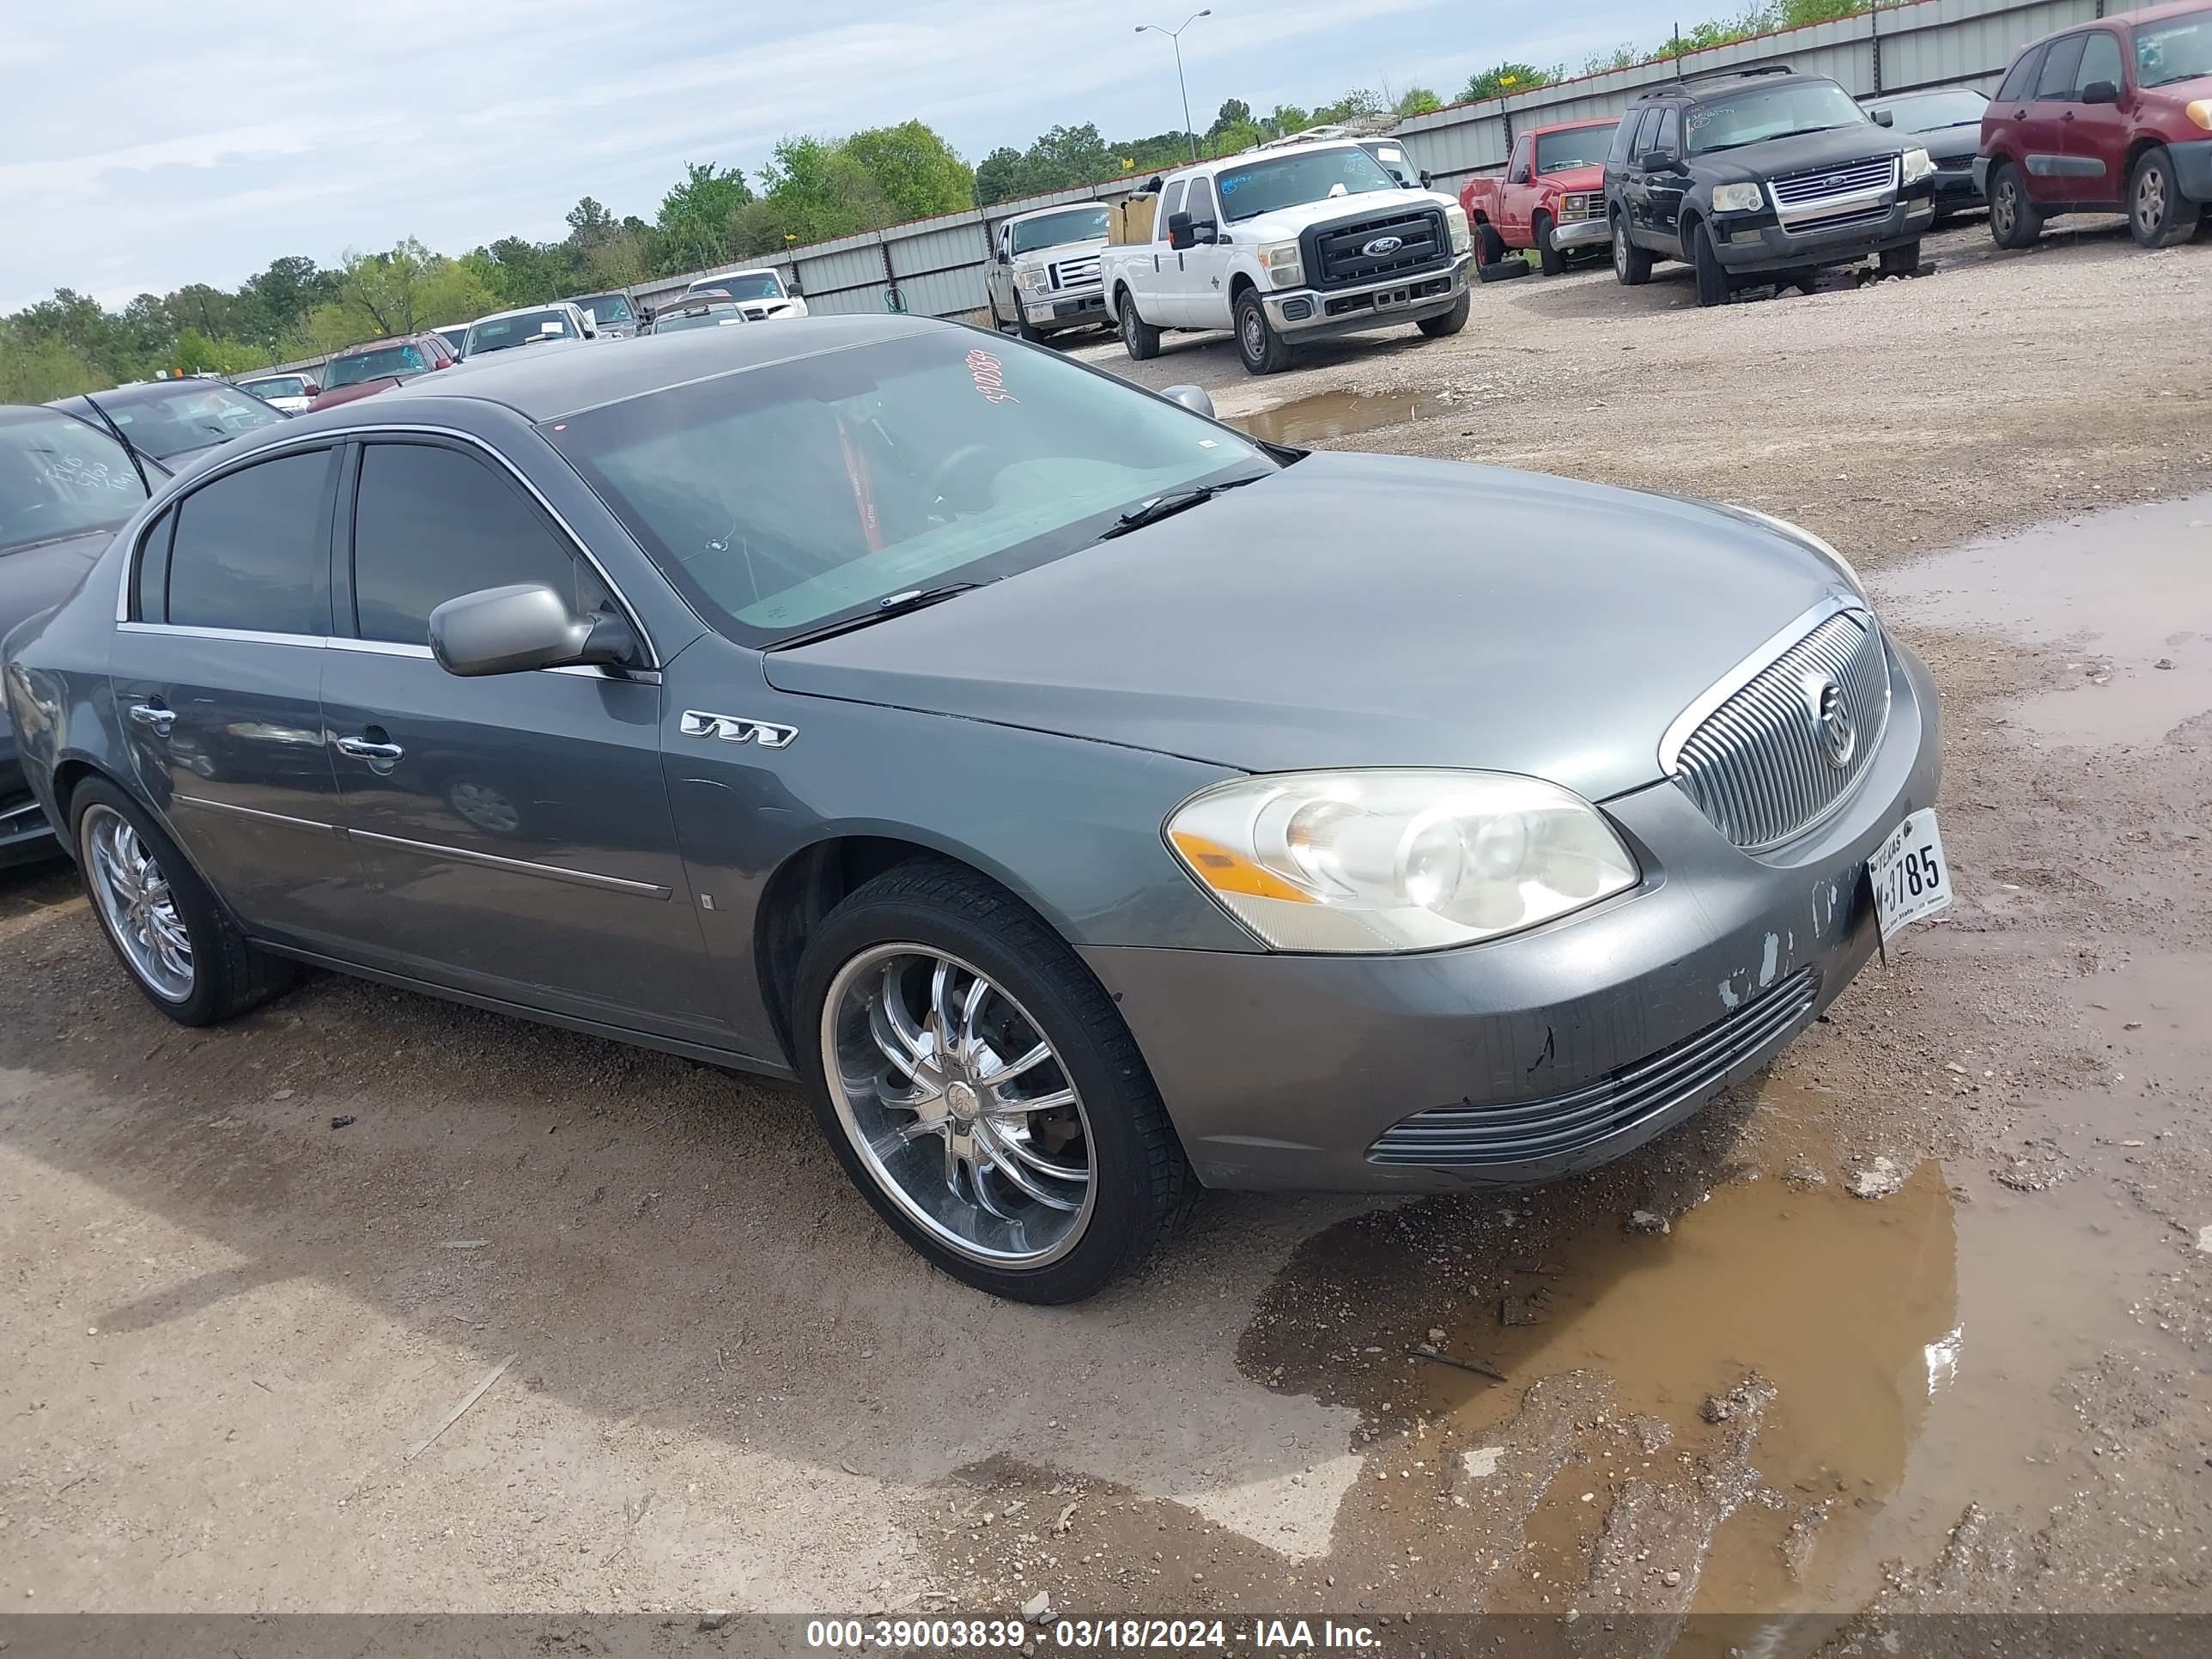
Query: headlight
(1284, 269)
(1396, 860)
(1033, 282)
(1919, 165)
(2201, 112)
(1803, 538)
(1737, 198)
(1461, 237)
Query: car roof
(544, 384)
(1040, 213)
(132, 391)
(521, 311)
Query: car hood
(1359, 610)
(1808, 151)
(1944, 142)
(1573, 179)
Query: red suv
(2113, 117)
(362, 371)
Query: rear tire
(2015, 221)
(1489, 245)
(980, 1225)
(172, 935)
(1713, 285)
(1632, 265)
(998, 323)
(1139, 338)
(2159, 215)
(1447, 322)
(1554, 261)
(1257, 343)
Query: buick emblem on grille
(1833, 728)
(1383, 245)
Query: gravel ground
(1731, 1386)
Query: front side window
(1200, 207)
(781, 496)
(182, 415)
(1516, 170)
(1266, 186)
(2062, 66)
(1669, 140)
(386, 363)
(524, 328)
(1579, 147)
(1647, 133)
(431, 523)
(1171, 202)
(60, 478)
(1083, 224)
(250, 551)
(1780, 107)
(2173, 49)
(2100, 61)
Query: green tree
(1505, 80)
(590, 226)
(196, 354)
(35, 368)
(913, 169)
(1234, 113)
(695, 217)
(1234, 139)
(819, 191)
(401, 291)
(1286, 118)
(1418, 101)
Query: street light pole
(1175, 35)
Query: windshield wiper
(1167, 505)
(892, 605)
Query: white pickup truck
(1286, 245)
(1044, 275)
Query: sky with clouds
(145, 146)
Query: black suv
(1761, 176)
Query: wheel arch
(1240, 285)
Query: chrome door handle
(363, 749)
(153, 714)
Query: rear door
(2052, 178)
(2096, 135)
(217, 669)
(515, 827)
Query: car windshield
(384, 363)
(182, 415)
(707, 316)
(1083, 224)
(1250, 189)
(524, 328)
(606, 308)
(749, 285)
(1954, 106)
(1779, 108)
(61, 478)
(1579, 147)
(2177, 49)
(281, 385)
(779, 496)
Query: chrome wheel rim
(2001, 211)
(1620, 248)
(132, 891)
(1255, 334)
(959, 1107)
(2150, 199)
(1129, 324)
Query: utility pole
(1175, 35)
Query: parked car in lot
(610, 314)
(1044, 275)
(1288, 245)
(1083, 801)
(65, 488)
(169, 422)
(1551, 196)
(503, 331)
(455, 335)
(761, 293)
(706, 308)
(2113, 117)
(290, 392)
(1764, 176)
(381, 365)
(1945, 121)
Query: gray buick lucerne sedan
(1087, 803)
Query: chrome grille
(1854, 179)
(1075, 273)
(1760, 766)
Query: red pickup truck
(1552, 197)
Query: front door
(218, 674)
(1004, 301)
(514, 827)
(1203, 287)
(1513, 199)
(2096, 135)
(1667, 189)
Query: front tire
(1554, 261)
(173, 937)
(980, 1089)
(1257, 343)
(2013, 221)
(1713, 285)
(1632, 265)
(1139, 338)
(1449, 322)
(2159, 214)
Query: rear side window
(151, 601)
(2061, 65)
(251, 550)
(2100, 61)
(2020, 86)
(431, 523)
(1647, 134)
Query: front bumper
(1310, 313)
(1756, 241)
(2192, 168)
(1957, 188)
(1581, 1040)
(1063, 309)
(1581, 233)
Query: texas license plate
(1911, 876)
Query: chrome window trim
(242, 635)
(519, 867)
(207, 805)
(330, 437)
(378, 647)
(372, 648)
(1679, 730)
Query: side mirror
(1658, 161)
(1191, 398)
(1180, 233)
(1884, 117)
(512, 631)
(309, 389)
(2100, 92)
(1427, 183)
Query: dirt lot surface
(1916, 1321)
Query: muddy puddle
(1308, 422)
(2129, 591)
